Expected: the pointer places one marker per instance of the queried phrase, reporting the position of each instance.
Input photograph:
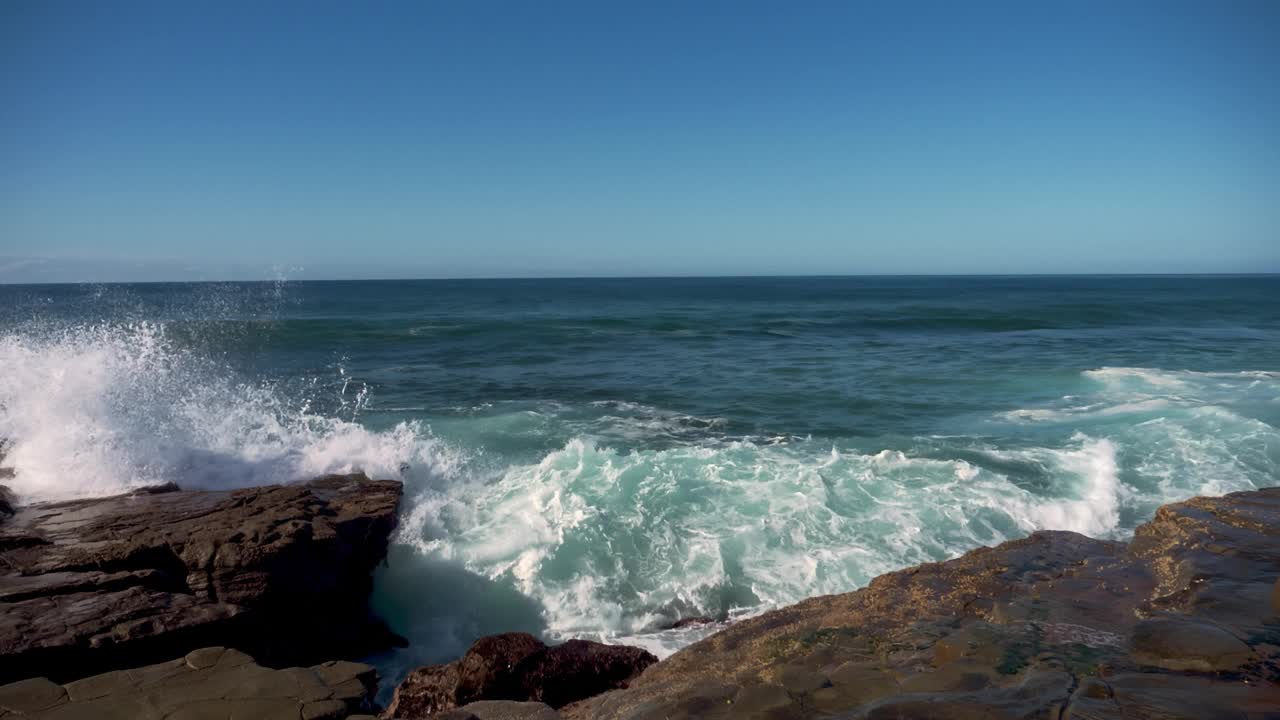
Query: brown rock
(31, 696)
(576, 670)
(486, 668)
(427, 690)
(207, 683)
(1175, 644)
(518, 667)
(1180, 623)
(93, 584)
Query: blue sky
(457, 139)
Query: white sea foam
(1130, 392)
(614, 543)
(97, 410)
(1195, 384)
(1093, 411)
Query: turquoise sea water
(596, 458)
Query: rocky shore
(1182, 622)
(174, 604)
(282, 573)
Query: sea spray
(93, 410)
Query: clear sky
(174, 140)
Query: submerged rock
(1183, 622)
(282, 572)
(518, 667)
(687, 622)
(213, 682)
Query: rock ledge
(211, 682)
(282, 572)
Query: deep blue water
(596, 457)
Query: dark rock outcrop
(282, 572)
(7, 502)
(212, 682)
(518, 667)
(1183, 622)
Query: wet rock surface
(211, 682)
(282, 572)
(518, 667)
(1182, 622)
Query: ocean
(600, 457)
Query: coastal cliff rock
(282, 572)
(1183, 622)
(517, 667)
(211, 682)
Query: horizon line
(646, 277)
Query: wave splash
(95, 410)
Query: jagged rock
(1182, 622)
(206, 683)
(518, 667)
(575, 670)
(282, 571)
(427, 690)
(488, 665)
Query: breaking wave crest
(94, 410)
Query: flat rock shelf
(212, 682)
(281, 572)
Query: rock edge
(282, 572)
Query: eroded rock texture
(1184, 622)
(518, 667)
(282, 572)
(212, 682)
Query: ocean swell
(617, 518)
